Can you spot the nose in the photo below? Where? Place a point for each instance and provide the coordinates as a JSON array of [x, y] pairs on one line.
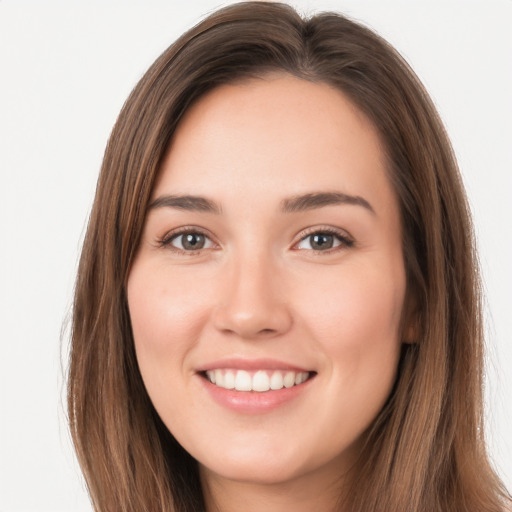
[[252, 303]]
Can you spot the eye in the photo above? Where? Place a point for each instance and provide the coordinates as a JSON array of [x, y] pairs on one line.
[[188, 241], [323, 241]]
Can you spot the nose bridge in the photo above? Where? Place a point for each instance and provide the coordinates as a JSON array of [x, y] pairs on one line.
[[253, 302]]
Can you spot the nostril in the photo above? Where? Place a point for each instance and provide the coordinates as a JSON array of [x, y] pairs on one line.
[[252, 319]]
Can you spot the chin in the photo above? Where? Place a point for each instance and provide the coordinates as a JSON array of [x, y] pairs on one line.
[[258, 472], [266, 465]]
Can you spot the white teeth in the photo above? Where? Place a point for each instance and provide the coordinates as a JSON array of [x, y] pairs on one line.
[[276, 381], [289, 379], [229, 380], [261, 381], [243, 381], [219, 378], [300, 377]]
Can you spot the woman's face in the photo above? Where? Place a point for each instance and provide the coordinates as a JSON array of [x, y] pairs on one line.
[[270, 261]]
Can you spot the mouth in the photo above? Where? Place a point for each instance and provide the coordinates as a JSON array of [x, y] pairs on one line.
[[256, 386], [260, 381]]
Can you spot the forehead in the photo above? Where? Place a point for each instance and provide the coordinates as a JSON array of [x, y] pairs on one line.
[[276, 135]]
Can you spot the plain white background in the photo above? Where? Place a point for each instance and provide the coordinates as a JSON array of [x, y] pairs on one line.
[[66, 69]]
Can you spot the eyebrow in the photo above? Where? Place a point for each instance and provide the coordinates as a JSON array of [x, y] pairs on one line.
[[293, 204], [190, 203], [320, 199]]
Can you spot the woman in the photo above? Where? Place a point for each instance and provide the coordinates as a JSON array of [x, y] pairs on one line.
[[277, 304]]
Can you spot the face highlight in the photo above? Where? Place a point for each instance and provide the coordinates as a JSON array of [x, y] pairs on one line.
[[267, 292]]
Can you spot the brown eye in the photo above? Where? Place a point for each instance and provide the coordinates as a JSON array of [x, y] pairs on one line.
[[323, 241], [191, 241]]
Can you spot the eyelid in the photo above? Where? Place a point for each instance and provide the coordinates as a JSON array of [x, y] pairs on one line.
[[346, 239], [165, 241]]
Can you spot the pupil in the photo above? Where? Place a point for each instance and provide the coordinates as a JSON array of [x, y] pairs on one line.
[[193, 241], [322, 241]]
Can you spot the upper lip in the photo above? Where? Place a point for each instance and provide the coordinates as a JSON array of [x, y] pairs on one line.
[[252, 364]]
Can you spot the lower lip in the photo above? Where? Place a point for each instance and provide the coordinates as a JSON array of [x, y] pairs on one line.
[[254, 402]]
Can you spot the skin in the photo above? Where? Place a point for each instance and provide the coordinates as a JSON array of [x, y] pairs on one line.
[[260, 289]]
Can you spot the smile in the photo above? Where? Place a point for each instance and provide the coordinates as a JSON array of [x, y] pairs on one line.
[[259, 381]]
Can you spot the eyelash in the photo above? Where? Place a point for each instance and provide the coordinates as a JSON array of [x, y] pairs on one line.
[[167, 240], [345, 241]]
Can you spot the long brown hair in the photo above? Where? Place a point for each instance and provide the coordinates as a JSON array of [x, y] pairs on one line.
[[425, 452]]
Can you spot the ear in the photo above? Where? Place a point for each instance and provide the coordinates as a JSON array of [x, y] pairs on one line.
[[411, 315]]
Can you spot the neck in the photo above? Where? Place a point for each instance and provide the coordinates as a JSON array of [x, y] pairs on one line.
[[302, 494]]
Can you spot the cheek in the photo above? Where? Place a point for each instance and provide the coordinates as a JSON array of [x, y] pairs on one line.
[[359, 299], [354, 316], [167, 315], [355, 321], [162, 308]]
